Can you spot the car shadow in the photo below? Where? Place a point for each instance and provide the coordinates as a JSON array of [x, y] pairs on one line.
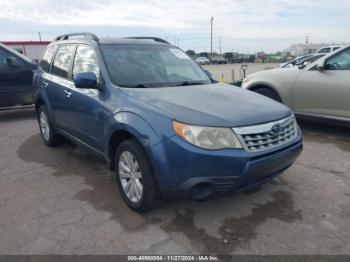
[[17, 114], [324, 129], [235, 218]]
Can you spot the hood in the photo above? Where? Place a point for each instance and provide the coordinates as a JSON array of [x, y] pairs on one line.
[[218, 105]]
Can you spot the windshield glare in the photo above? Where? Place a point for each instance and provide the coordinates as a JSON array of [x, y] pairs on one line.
[[151, 66]]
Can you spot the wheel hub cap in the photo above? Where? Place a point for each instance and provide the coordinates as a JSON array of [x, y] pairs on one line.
[[130, 176], [44, 126]]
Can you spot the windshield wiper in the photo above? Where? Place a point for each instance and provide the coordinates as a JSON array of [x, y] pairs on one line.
[[145, 85], [189, 83]]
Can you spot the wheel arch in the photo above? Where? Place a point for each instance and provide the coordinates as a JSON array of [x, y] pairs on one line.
[[127, 125], [268, 86]]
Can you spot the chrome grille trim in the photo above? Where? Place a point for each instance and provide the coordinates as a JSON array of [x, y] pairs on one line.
[[259, 138]]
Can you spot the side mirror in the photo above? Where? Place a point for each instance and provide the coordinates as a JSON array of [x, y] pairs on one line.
[[12, 62], [86, 80]]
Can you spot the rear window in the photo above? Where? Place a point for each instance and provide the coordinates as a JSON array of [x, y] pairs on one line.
[[62, 61], [47, 58]]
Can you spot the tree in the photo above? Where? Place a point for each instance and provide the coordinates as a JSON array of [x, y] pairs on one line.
[[190, 53]]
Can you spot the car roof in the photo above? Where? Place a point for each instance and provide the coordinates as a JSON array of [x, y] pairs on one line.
[[16, 53], [111, 41]]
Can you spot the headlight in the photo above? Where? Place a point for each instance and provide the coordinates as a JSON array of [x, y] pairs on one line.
[[207, 137]]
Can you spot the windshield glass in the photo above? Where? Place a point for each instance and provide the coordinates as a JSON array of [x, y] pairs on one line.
[[151, 66]]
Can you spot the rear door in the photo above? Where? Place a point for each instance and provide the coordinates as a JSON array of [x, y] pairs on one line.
[[56, 83], [15, 81], [327, 92]]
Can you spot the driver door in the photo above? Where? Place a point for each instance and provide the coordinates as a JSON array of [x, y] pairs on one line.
[[325, 93]]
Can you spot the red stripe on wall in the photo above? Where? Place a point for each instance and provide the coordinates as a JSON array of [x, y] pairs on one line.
[[9, 43]]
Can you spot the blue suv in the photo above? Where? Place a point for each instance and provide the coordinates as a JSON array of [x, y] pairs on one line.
[[159, 120]]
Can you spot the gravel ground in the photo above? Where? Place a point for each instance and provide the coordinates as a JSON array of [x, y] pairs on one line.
[[226, 70], [65, 201]]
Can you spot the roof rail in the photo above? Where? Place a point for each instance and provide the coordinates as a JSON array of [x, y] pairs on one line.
[[157, 39], [84, 34]]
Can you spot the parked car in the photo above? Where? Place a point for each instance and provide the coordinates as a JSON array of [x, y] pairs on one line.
[[309, 60], [327, 49], [142, 105], [318, 91], [219, 60], [16, 73], [295, 61], [203, 60]]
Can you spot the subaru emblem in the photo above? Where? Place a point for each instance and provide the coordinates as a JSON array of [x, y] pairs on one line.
[[276, 129]]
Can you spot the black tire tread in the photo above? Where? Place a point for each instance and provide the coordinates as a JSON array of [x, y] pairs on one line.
[[152, 195], [55, 138]]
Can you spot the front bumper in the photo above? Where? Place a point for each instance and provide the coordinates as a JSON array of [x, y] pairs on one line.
[[188, 171]]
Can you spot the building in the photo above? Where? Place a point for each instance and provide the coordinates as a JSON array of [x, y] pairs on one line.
[[31, 49]]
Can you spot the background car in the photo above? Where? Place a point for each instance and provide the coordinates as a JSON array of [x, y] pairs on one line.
[[309, 60], [295, 61], [219, 60], [321, 90], [327, 49], [202, 60], [16, 73]]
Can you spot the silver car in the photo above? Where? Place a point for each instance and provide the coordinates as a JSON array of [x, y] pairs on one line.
[[320, 90], [202, 61]]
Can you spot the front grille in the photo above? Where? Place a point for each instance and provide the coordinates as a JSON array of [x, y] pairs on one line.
[[263, 137]]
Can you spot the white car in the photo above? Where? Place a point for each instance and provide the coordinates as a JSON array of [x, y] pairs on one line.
[[202, 60], [320, 90], [328, 49]]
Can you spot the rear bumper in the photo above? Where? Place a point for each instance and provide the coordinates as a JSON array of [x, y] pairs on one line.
[[187, 171]]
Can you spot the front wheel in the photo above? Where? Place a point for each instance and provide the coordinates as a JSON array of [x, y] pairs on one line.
[[135, 177]]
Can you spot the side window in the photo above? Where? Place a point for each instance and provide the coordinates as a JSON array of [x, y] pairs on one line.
[[62, 61], [3, 58], [85, 61], [339, 62], [47, 58], [325, 50]]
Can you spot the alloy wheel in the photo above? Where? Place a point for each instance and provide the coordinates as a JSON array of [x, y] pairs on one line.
[[44, 126], [130, 176]]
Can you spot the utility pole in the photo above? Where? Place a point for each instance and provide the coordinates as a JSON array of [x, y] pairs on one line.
[[211, 37], [220, 44], [39, 36]]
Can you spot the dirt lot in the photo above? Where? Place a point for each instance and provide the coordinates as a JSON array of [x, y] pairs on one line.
[[65, 201]]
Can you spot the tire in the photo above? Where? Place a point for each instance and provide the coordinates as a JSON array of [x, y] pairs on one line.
[[48, 133], [131, 151], [269, 93]]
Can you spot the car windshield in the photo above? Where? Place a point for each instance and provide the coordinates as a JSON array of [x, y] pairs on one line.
[[142, 66]]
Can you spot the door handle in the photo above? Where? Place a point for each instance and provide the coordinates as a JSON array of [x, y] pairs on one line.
[[45, 84], [68, 94]]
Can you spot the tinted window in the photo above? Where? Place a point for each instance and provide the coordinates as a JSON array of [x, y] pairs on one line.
[[62, 61], [3, 57], [339, 62], [47, 58], [85, 61]]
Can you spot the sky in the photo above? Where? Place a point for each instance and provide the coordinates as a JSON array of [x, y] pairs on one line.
[[245, 26]]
